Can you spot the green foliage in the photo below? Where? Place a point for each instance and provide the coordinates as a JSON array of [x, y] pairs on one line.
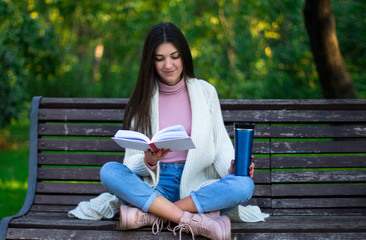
[[247, 49], [29, 58]]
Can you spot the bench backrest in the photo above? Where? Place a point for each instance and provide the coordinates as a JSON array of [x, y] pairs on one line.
[[310, 155]]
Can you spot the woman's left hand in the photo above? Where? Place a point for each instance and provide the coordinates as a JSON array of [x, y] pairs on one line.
[[251, 168]]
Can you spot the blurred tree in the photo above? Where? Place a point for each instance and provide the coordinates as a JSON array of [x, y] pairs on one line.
[[246, 49], [28, 55], [320, 24]]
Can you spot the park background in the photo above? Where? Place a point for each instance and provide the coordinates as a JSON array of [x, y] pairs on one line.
[[247, 49]]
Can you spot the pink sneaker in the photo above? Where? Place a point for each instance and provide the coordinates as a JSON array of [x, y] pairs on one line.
[[132, 218], [214, 227], [223, 219]]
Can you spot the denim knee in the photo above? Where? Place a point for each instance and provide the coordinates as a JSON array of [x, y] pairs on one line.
[[244, 189], [106, 172]]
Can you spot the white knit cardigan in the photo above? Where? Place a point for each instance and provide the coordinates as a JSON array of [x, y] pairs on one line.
[[206, 164], [214, 151]]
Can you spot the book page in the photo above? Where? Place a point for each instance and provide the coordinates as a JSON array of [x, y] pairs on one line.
[[172, 132], [131, 136]]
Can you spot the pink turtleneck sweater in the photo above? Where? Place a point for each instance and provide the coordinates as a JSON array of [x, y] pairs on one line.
[[175, 108]]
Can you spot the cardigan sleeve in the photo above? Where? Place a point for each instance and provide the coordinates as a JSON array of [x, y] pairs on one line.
[[223, 144]]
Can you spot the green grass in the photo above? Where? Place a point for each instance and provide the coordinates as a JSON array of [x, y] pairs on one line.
[[14, 169]]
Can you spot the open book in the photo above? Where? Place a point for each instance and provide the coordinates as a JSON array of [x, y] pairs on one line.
[[174, 138]]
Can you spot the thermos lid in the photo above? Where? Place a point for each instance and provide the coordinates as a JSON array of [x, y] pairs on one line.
[[244, 125]]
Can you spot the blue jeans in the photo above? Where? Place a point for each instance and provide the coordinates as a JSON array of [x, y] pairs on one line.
[[223, 195]]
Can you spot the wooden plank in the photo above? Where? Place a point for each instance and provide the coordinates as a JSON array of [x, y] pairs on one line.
[[92, 145], [43, 199], [262, 190], [293, 104], [84, 103], [336, 176], [96, 188], [97, 145], [70, 188], [58, 129], [274, 104], [57, 234], [92, 174], [304, 224], [319, 147], [270, 116], [356, 131], [327, 202], [319, 212], [60, 220], [339, 131], [53, 234], [298, 116], [78, 159], [342, 161], [272, 224], [318, 190], [69, 174], [52, 208], [261, 162], [82, 115]]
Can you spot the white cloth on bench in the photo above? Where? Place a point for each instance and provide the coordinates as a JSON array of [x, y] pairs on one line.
[[106, 206]]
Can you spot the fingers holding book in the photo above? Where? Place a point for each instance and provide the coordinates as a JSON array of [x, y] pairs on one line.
[[152, 158]]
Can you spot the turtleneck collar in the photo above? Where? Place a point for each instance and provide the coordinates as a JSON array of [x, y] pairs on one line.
[[171, 90]]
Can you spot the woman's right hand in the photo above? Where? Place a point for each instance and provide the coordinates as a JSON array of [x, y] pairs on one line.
[[152, 158]]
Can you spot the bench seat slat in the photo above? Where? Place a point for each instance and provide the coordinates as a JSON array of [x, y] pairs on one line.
[[60, 220], [292, 104], [311, 131], [330, 176], [105, 130], [344, 161], [100, 145], [327, 202], [92, 174], [58, 129], [94, 188], [293, 190], [86, 234], [286, 116], [319, 211], [78, 159], [69, 174], [70, 188], [51, 208], [94, 103], [81, 115], [272, 224], [298, 116], [44, 199], [319, 147]]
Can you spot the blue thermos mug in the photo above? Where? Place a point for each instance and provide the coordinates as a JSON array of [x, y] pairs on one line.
[[243, 139]]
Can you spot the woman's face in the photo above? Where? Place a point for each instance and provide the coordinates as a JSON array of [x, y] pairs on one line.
[[168, 63]]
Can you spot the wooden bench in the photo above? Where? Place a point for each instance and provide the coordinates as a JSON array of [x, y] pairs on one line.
[[310, 158]]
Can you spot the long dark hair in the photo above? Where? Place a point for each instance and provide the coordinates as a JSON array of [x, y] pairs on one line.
[[139, 105]]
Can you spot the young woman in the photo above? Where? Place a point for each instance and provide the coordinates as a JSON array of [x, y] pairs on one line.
[[189, 188]]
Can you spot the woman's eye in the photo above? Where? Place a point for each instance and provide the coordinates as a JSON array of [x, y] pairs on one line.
[[159, 59], [176, 56]]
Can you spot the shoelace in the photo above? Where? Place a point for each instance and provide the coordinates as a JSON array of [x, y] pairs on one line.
[[182, 227], [158, 225]]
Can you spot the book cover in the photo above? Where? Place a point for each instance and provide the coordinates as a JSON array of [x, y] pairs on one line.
[[174, 138]]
